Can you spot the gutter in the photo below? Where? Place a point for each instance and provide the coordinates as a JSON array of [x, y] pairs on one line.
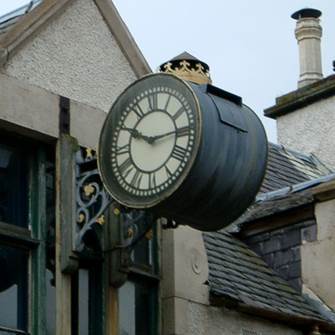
[[328, 180]]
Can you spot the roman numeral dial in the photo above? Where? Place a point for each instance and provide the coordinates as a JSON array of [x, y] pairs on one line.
[[154, 139], [179, 152]]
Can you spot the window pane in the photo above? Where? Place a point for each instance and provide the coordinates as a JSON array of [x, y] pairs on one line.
[[83, 308], [50, 303], [87, 313], [127, 309], [144, 254], [144, 310], [137, 305], [13, 287], [13, 186], [50, 252]]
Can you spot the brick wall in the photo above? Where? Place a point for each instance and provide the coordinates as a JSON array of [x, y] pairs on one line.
[[280, 248]]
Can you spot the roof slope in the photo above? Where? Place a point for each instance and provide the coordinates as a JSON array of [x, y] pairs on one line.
[[240, 277], [286, 198], [237, 273], [20, 25], [287, 167], [8, 20]]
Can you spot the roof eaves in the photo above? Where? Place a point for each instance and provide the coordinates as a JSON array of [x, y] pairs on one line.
[[31, 22], [123, 37], [302, 97], [28, 25], [283, 200], [321, 307], [240, 279], [283, 192], [275, 207], [283, 317]]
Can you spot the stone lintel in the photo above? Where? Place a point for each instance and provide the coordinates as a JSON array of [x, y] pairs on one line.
[[33, 111]]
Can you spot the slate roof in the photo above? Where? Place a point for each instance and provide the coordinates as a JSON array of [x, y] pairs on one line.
[[8, 20], [287, 167], [237, 273], [286, 198], [287, 174]]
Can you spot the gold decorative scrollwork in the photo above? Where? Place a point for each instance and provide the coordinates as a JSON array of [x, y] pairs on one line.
[[91, 197]]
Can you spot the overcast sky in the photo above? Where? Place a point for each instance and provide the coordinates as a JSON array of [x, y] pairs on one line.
[[249, 45]]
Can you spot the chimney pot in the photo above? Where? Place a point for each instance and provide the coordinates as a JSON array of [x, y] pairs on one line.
[[308, 33]]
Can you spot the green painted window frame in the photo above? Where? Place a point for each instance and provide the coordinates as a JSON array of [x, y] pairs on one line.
[[149, 276], [32, 238]]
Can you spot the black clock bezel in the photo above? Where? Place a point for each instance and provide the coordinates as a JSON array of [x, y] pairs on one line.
[[108, 177]]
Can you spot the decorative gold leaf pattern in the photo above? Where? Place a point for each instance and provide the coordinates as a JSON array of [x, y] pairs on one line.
[[89, 189], [101, 220]]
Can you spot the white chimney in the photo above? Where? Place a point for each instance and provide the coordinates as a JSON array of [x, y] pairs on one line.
[[308, 33]]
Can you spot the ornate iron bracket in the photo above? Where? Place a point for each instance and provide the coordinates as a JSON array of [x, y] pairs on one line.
[[93, 201]]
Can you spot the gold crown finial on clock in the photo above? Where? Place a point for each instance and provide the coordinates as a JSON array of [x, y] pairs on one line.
[[187, 67]]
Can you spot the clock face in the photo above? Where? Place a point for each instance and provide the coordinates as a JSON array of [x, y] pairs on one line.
[[149, 140]]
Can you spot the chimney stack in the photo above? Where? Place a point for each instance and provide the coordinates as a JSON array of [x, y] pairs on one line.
[[308, 33]]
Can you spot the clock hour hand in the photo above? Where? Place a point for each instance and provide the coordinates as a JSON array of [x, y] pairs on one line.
[[136, 134]]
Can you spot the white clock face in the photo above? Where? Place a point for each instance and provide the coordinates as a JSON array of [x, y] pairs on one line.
[[153, 139]]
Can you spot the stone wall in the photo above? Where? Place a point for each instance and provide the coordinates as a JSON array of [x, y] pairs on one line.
[[186, 309], [281, 249], [318, 265], [205, 320], [33, 111]]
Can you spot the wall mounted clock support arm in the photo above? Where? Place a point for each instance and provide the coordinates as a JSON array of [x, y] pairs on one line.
[[126, 228]]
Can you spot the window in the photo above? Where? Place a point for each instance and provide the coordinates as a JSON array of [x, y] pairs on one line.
[[23, 223], [87, 312], [138, 297], [13, 289], [13, 185]]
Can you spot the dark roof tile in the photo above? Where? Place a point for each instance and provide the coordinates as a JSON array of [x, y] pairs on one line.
[[237, 273]]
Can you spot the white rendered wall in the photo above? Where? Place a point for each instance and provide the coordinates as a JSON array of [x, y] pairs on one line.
[[75, 56], [311, 130]]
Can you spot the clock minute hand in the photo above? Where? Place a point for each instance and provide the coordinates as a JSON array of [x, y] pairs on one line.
[[178, 131], [157, 137]]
